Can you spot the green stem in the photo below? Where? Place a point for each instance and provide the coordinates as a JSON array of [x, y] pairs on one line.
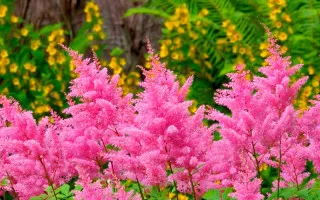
[[140, 190], [192, 186], [48, 178], [279, 170], [174, 182], [12, 186]]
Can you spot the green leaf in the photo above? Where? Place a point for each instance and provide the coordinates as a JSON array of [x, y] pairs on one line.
[[116, 52], [65, 189], [49, 28], [212, 195], [149, 11]]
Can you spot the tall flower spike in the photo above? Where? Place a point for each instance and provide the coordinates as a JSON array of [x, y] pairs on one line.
[[263, 126], [165, 136], [32, 155], [101, 112]]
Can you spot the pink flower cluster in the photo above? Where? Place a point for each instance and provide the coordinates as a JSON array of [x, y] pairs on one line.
[[155, 141]]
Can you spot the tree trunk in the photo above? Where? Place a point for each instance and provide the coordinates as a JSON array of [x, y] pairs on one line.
[[128, 34]]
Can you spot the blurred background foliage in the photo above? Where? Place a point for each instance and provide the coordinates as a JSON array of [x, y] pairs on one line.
[[207, 38], [204, 38], [36, 71]]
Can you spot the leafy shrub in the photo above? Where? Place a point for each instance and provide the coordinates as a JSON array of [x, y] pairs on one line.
[[208, 37]]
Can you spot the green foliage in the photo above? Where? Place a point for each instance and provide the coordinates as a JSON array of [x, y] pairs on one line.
[[217, 195], [216, 35], [34, 69], [61, 193], [301, 192]]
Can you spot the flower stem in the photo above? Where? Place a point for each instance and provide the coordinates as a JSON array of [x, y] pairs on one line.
[[192, 186], [140, 190], [279, 170], [48, 178], [12, 186], [174, 182]]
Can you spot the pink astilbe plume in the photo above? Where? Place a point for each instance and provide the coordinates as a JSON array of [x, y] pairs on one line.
[[31, 155], [263, 127], [165, 136], [97, 117]]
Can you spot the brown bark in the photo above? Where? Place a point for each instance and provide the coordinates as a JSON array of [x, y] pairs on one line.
[[127, 33]]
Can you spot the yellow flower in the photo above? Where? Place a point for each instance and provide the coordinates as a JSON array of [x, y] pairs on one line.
[[175, 56], [13, 68], [235, 37], [33, 68], [51, 49], [61, 58], [177, 40], [264, 53], [242, 50], [286, 17], [55, 95], [90, 37], [41, 109], [14, 19], [193, 35], [311, 70], [163, 51], [283, 36], [307, 91], [32, 84], [4, 54], [263, 45], [122, 62], [16, 82], [263, 167], [3, 10], [284, 49], [171, 195], [88, 18], [102, 36], [24, 32], [204, 12], [117, 70], [167, 42], [180, 30], [95, 47], [27, 66], [192, 51], [315, 83], [225, 23], [169, 25], [113, 63], [97, 28], [3, 70], [51, 60], [35, 44], [278, 24], [182, 197]]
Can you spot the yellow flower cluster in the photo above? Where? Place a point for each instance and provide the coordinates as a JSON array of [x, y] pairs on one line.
[[180, 196], [3, 11], [54, 56], [180, 17], [94, 18], [128, 82], [4, 61], [311, 89], [280, 19], [232, 34], [180, 27]]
